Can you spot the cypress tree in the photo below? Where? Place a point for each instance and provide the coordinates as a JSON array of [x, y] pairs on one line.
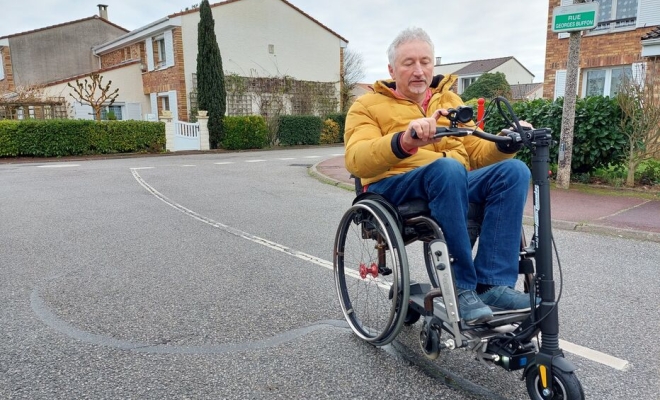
[[211, 93]]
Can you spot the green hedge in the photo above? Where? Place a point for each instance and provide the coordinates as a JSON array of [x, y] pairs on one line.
[[248, 132], [597, 140], [299, 129], [58, 138]]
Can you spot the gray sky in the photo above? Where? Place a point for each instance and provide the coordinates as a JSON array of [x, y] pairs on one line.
[[462, 30]]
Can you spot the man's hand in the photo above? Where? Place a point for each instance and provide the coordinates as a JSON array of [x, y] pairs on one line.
[[424, 128], [510, 148]]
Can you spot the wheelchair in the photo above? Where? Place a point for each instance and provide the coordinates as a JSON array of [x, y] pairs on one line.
[[378, 298]]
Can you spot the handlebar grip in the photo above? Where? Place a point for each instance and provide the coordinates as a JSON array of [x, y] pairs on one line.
[[440, 129]]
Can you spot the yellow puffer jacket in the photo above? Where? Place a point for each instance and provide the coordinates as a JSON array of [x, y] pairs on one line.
[[374, 120]]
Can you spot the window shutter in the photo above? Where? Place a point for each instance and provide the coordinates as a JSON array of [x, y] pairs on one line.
[[560, 83], [173, 107], [153, 99], [169, 48], [133, 111], [150, 54], [648, 13], [83, 111]]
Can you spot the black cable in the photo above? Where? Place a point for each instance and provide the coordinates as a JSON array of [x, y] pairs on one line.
[[535, 324]]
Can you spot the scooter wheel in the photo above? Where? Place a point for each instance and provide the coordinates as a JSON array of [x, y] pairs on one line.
[[565, 386], [430, 347]]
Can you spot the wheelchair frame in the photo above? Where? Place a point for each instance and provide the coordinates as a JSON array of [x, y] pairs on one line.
[[507, 339]]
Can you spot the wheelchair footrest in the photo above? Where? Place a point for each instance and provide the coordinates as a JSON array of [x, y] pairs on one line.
[[500, 319]]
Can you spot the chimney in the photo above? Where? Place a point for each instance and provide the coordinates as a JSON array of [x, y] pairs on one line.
[[103, 11]]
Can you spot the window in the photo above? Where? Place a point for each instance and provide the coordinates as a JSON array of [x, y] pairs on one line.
[[116, 110], [2, 67], [614, 14], [161, 59], [605, 82], [165, 103], [465, 82]]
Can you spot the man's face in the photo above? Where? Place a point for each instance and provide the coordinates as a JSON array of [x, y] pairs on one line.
[[413, 68]]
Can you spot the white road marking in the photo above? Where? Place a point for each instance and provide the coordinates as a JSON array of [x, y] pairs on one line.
[[594, 355], [223, 163], [188, 165], [337, 154], [143, 168], [253, 161], [58, 165], [312, 157], [286, 158], [581, 351]]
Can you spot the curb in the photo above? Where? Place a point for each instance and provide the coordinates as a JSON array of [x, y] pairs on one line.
[[314, 172], [527, 220], [599, 229]]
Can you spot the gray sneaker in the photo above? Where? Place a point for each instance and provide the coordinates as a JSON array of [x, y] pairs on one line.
[[504, 298], [471, 308]]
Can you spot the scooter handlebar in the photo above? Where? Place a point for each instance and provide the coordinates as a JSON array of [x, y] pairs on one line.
[[509, 135]]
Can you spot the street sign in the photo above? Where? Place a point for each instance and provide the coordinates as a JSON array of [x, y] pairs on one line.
[[576, 17]]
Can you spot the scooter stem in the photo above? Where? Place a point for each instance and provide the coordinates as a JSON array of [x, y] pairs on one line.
[[547, 312]]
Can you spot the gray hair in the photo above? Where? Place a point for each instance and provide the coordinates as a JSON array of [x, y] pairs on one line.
[[406, 36]]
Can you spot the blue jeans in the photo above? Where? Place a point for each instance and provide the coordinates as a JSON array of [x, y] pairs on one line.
[[449, 187]]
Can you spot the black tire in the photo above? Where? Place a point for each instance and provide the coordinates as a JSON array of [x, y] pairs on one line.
[[370, 303], [412, 316], [565, 385]]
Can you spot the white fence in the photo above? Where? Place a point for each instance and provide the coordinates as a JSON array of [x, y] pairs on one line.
[[186, 136]]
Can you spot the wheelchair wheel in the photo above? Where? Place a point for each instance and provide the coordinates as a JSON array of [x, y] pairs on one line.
[[371, 272]]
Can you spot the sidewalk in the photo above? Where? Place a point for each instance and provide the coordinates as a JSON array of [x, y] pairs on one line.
[[630, 217]]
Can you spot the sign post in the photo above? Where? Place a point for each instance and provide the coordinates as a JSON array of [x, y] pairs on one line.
[[574, 19]]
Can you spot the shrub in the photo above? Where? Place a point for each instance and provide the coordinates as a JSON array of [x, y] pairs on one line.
[[648, 172], [299, 129], [248, 132], [57, 138], [330, 132], [340, 119], [597, 140]]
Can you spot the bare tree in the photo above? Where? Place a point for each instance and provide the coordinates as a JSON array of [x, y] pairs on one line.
[[639, 99], [94, 93], [352, 72]]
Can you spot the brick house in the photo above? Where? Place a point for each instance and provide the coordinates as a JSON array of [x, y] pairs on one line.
[[614, 48], [154, 66], [257, 39], [469, 71], [38, 57]]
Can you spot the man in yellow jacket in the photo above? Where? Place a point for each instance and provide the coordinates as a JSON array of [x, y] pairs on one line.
[[449, 173]]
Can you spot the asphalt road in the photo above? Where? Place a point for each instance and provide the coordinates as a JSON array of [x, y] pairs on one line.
[[209, 276]]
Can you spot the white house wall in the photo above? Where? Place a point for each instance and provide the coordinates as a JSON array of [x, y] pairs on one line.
[[128, 79], [244, 29], [515, 73]]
